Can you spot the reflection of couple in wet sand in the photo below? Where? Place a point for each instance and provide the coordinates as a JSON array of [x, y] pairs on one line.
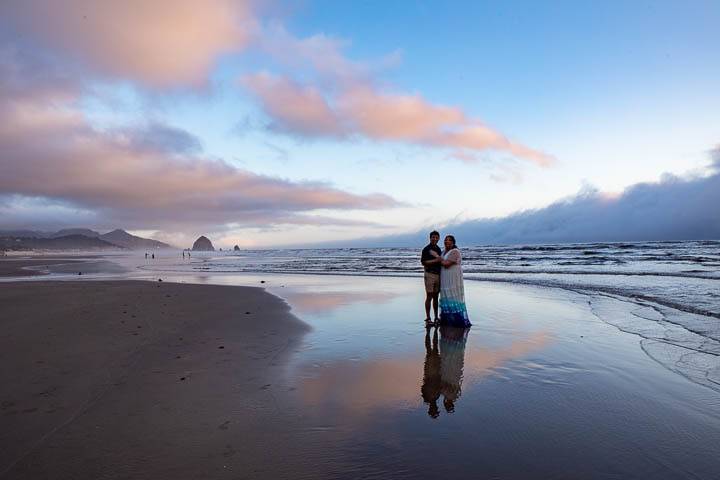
[[443, 370], [444, 365], [444, 279]]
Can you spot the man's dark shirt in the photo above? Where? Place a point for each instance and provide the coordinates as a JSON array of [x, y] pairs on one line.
[[436, 267]]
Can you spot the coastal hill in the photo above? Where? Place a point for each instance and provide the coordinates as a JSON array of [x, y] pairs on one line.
[[75, 239], [66, 242], [124, 239]]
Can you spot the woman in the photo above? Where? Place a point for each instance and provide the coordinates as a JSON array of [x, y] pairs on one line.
[[452, 291]]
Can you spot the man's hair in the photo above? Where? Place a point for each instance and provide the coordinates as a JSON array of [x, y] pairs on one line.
[[434, 232]]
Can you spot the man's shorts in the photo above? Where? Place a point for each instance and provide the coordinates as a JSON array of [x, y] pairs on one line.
[[432, 282]]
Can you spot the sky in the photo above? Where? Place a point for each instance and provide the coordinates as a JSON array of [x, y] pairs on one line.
[[284, 123]]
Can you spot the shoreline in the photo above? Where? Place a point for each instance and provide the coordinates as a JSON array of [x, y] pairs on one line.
[[699, 320], [588, 290]]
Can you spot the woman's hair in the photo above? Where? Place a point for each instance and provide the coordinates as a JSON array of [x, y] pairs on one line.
[[452, 239]]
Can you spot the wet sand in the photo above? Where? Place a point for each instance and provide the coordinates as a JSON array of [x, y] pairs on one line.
[[36, 265], [130, 379]]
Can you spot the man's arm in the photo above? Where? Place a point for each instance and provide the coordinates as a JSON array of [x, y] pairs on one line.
[[432, 261]]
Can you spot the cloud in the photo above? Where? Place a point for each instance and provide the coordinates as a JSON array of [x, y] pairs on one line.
[[163, 43], [320, 53], [176, 43], [361, 109], [19, 212], [141, 177], [156, 137], [294, 108], [715, 158], [340, 98], [675, 208]]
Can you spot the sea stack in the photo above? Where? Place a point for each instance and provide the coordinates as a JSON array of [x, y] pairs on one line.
[[236, 248], [203, 244]]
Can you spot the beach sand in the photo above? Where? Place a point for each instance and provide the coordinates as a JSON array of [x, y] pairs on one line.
[[31, 266], [134, 379], [126, 379]]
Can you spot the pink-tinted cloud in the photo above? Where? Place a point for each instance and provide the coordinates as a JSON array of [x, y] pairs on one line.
[[175, 43], [362, 109], [320, 54], [293, 107], [161, 43], [395, 116], [142, 177]]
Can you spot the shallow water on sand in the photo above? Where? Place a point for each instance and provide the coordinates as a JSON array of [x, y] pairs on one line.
[[539, 387]]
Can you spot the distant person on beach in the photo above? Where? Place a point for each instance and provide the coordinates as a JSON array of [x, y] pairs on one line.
[[145, 255], [431, 260], [453, 311], [153, 255]]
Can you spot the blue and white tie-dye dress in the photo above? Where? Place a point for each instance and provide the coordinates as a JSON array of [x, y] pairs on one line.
[[453, 311]]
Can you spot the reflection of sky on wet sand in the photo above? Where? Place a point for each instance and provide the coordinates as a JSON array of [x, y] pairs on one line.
[[323, 302], [517, 394], [362, 387], [369, 350]]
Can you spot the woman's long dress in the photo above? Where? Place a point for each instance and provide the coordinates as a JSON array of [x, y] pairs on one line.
[[452, 292]]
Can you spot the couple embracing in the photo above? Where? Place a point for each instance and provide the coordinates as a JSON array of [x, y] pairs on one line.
[[444, 278]]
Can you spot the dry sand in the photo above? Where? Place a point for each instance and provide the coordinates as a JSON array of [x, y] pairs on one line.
[[129, 379]]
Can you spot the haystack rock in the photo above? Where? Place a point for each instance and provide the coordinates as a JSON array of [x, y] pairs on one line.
[[203, 244], [236, 248]]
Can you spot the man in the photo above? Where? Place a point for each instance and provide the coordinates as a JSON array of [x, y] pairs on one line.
[[431, 258]]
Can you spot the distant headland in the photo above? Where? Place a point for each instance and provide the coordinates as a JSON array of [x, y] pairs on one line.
[[75, 239]]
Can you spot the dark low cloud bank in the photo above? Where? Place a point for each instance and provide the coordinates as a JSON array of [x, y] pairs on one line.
[[675, 208]]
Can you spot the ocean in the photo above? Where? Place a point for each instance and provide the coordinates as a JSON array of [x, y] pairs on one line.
[[683, 275]]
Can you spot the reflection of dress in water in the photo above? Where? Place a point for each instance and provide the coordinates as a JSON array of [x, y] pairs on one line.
[[431, 385], [452, 292], [452, 353]]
